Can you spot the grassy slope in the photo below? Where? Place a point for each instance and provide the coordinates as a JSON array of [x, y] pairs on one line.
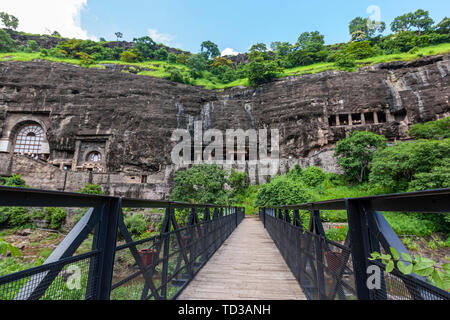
[[213, 83]]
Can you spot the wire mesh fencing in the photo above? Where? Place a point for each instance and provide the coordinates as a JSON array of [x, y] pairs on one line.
[[331, 270], [117, 266]]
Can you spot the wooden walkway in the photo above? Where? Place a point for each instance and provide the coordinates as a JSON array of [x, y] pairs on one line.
[[248, 266]]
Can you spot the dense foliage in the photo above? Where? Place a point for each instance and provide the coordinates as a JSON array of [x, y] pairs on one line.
[[431, 130], [394, 169], [283, 190], [355, 153], [90, 188], [201, 184]]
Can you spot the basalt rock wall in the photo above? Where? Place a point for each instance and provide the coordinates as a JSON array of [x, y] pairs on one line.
[[138, 114]]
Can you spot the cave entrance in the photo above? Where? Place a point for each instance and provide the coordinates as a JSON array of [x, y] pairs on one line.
[[381, 117], [368, 117], [343, 119], [332, 121], [356, 119], [400, 115]]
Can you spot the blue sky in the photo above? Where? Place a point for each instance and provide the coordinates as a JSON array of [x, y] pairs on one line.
[[235, 24]]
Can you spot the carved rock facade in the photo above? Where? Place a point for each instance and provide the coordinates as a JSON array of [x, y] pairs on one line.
[[114, 128]]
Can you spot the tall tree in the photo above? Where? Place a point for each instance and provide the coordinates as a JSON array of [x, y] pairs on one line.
[[146, 46], [281, 49], [420, 20], [9, 21], [209, 49], [355, 153], [119, 35], [310, 41]]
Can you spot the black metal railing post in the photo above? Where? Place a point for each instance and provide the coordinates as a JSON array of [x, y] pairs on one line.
[[106, 239], [359, 237]]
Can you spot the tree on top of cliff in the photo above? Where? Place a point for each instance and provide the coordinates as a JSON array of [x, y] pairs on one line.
[[209, 49], [310, 41], [9, 21], [420, 20], [6, 43], [261, 69], [146, 46], [119, 35], [355, 153]]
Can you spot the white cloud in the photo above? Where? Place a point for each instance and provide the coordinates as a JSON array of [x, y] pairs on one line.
[[163, 38], [229, 52], [46, 16]]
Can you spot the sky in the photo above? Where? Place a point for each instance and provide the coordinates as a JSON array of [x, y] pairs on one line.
[[234, 25]]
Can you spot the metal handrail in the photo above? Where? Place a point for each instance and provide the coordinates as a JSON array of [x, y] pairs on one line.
[[368, 232]]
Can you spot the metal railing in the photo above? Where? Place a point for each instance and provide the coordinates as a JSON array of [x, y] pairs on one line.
[[117, 266], [329, 270]]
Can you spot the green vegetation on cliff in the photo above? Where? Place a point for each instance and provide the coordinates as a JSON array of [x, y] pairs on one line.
[[415, 35]]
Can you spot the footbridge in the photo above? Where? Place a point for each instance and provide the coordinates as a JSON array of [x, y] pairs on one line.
[[217, 252]]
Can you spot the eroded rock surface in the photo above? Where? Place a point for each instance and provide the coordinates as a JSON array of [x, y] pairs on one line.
[[130, 118]]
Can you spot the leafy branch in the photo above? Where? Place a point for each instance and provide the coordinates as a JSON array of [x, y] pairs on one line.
[[419, 265], [5, 247]]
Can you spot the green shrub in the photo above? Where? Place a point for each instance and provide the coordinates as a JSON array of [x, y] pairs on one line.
[[182, 58], [37, 214], [438, 178], [136, 224], [4, 215], [128, 56], [56, 217], [161, 54], [43, 52], [56, 53], [313, 176], [18, 217], [432, 244], [32, 45], [346, 62], [85, 58], [394, 167], [14, 181], [92, 189], [238, 181], [260, 71], [439, 129], [283, 191], [204, 183], [405, 223], [6, 43], [400, 42], [172, 58], [355, 153], [414, 50], [359, 50]]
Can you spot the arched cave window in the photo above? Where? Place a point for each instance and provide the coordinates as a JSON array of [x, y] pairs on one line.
[[29, 139], [94, 156]]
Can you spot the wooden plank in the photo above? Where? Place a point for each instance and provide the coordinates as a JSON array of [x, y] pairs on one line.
[[247, 266]]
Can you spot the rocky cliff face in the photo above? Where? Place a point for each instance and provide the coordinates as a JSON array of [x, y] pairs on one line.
[[137, 114]]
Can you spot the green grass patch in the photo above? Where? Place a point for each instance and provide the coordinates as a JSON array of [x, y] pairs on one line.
[[442, 48]]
